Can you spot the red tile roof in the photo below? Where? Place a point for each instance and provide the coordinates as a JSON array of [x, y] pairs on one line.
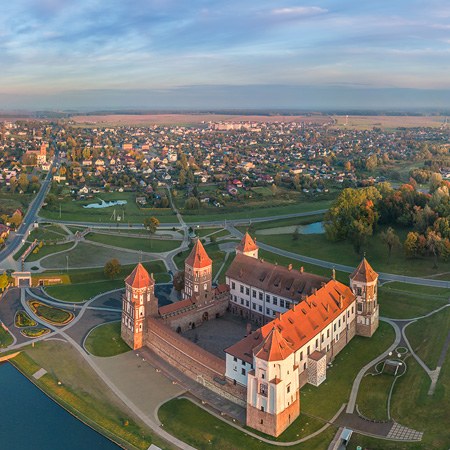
[[302, 323], [139, 278], [198, 258], [247, 244], [176, 306], [273, 347], [364, 272]]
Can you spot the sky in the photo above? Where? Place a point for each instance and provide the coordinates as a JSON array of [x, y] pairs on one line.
[[197, 54]]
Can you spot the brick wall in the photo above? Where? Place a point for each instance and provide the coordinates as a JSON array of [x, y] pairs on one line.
[[193, 361]]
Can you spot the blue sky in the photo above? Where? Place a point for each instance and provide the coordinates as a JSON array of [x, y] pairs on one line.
[[211, 54]]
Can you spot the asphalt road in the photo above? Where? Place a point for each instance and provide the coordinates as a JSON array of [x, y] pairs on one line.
[[31, 215]]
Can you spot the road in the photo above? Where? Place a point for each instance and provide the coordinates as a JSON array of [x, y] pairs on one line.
[[14, 243]]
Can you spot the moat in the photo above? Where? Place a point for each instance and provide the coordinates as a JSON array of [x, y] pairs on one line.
[[30, 419]]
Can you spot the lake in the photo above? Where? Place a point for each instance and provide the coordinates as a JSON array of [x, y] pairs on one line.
[[311, 228], [31, 420]]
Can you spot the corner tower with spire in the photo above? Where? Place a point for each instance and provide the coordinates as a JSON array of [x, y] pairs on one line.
[[247, 247], [198, 275], [138, 303], [363, 283]]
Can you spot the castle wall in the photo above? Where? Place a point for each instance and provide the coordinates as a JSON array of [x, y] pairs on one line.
[[195, 362]]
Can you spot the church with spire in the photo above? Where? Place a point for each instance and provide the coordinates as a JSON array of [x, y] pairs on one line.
[[303, 321]]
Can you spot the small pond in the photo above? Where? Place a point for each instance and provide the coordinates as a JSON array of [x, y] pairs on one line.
[[104, 204]]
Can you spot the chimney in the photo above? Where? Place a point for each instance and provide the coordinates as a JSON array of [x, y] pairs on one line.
[[314, 291], [277, 315], [340, 301], [290, 267], [301, 269], [333, 274]]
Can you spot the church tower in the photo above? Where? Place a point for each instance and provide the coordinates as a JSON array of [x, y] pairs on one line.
[[198, 275], [247, 247], [363, 283], [139, 302]]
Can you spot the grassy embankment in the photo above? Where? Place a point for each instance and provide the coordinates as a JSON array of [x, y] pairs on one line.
[[411, 405], [79, 390]]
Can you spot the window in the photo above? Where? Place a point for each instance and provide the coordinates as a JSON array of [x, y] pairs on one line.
[[353, 309], [260, 296], [334, 327], [242, 289], [317, 343], [243, 362], [288, 304], [288, 389], [242, 301], [242, 371], [267, 312], [263, 389], [308, 351], [247, 303], [235, 298], [275, 301], [301, 356], [281, 303], [254, 306], [247, 291], [260, 308], [358, 291], [348, 314], [339, 323], [262, 410], [360, 307], [267, 298], [321, 338], [304, 366], [235, 359], [254, 294], [328, 333], [233, 285]]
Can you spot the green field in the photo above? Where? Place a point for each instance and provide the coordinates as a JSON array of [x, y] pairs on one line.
[[105, 340], [50, 314], [427, 336], [22, 319], [139, 244], [317, 246], [5, 338], [35, 332], [247, 212], [47, 250], [397, 303], [373, 396], [200, 429], [130, 213], [76, 293]]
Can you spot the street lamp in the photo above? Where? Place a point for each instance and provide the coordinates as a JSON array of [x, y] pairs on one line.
[[67, 263]]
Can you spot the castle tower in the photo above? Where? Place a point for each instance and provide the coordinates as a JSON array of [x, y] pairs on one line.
[[198, 275], [139, 302], [273, 395], [363, 283], [248, 247]]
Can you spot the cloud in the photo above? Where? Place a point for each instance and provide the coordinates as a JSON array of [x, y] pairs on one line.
[[299, 11]]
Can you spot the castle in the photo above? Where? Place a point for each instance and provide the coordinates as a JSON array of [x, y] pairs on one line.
[[304, 321]]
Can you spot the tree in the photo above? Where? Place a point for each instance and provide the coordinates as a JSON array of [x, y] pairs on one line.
[[23, 182], [435, 181], [112, 268], [390, 238], [410, 244], [151, 224], [434, 245], [178, 281], [3, 281], [192, 203]]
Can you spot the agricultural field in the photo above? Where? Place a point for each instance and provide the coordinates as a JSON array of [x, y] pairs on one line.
[[387, 122]]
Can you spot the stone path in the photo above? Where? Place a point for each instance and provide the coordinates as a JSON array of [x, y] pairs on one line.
[[402, 433]]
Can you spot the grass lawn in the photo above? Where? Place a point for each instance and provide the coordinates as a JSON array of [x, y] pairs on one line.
[[413, 407], [403, 304], [373, 395], [5, 338], [83, 393], [427, 336], [105, 340], [74, 211], [317, 246], [325, 400], [421, 291], [247, 212], [75, 293], [197, 427], [216, 232], [22, 319], [51, 314], [35, 332], [48, 249], [145, 244], [47, 233]]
